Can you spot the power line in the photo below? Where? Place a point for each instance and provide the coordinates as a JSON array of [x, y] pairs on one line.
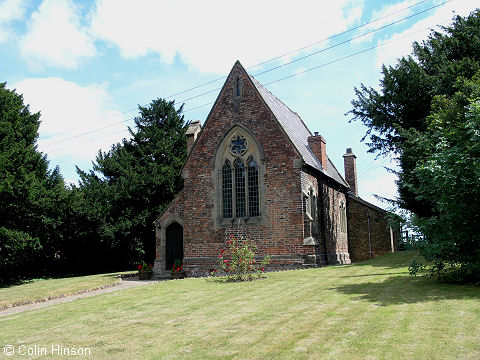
[[276, 58], [319, 51], [88, 132], [308, 46], [327, 63], [272, 82], [89, 140], [351, 39]]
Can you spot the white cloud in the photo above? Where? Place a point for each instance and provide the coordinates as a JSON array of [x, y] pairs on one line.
[[56, 37], [10, 11], [401, 43], [69, 110], [211, 35], [383, 186], [399, 11]]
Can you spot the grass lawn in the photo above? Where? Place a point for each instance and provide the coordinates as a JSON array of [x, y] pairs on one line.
[[371, 310], [45, 288]]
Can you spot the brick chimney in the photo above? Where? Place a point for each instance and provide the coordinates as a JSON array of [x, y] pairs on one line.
[[350, 163], [317, 144], [192, 133]]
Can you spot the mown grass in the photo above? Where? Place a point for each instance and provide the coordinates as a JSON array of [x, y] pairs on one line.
[[46, 288], [371, 310]]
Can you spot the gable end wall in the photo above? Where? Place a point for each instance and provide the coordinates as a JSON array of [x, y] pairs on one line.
[[280, 231]]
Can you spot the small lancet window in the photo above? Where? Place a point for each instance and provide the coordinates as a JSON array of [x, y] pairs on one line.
[[237, 87], [343, 218]]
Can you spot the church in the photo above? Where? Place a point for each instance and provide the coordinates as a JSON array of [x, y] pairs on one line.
[[254, 169]]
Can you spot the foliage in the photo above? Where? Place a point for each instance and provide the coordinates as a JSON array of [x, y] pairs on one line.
[[106, 222], [144, 267], [237, 262], [130, 185], [449, 173], [415, 267], [426, 112], [407, 89], [32, 197], [177, 266]]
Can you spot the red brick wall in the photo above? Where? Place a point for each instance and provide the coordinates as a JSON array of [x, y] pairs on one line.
[[281, 234], [336, 240], [358, 214]]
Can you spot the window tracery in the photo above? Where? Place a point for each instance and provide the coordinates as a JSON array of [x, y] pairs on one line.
[[239, 178]]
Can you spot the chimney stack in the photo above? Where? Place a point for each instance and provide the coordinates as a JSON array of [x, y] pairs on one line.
[[318, 146], [350, 163], [192, 133]]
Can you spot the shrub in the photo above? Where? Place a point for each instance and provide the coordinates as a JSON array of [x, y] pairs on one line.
[[237, 261]]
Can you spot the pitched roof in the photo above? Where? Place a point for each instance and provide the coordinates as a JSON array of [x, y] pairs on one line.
[[297, 131]]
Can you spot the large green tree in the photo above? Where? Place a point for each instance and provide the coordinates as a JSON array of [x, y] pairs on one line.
[[448, 174], [130, 185], [404, 99], [426, 114], [31, 195]]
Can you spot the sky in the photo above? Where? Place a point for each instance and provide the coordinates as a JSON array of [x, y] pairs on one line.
[[87, 65]]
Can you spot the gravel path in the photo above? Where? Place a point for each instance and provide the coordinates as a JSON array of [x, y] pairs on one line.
[[125, 284]]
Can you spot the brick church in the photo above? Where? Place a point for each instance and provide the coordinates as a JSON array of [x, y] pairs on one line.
[[254, 168]]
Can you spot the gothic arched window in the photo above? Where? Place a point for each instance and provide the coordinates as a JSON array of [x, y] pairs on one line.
[[238, 193]]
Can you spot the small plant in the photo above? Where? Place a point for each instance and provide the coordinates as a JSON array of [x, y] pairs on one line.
[[144, 267], [415, 268], [237, 261], [177, 266]]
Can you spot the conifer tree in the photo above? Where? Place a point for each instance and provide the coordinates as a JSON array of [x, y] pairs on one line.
[[30, 194], [130, 185]]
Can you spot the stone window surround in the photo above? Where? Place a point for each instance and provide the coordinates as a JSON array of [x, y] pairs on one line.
[[310, 198], [223, 152]]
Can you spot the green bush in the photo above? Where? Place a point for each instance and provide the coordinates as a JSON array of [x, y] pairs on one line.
[[18, 254], [237, 261]]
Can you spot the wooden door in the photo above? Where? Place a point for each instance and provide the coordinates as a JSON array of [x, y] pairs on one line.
[[174, 244]]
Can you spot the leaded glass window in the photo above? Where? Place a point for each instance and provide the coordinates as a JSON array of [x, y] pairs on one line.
[[239, 193], [252, 187], [240, 201], [227, 190]]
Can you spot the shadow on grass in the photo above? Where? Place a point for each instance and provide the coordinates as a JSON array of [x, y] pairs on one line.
[[372, 274], [15, 282], [225, 280], [400, 259], [407, 290]]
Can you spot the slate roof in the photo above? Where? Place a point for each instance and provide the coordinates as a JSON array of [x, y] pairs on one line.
[[297, 131]]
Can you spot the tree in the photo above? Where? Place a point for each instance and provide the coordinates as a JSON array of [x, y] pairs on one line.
[[30, 194], [130, 185], [406, 93], [426, 113], [449, 173]]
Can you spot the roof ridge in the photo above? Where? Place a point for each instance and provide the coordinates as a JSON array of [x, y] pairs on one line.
[[293, 112], [296, 130]]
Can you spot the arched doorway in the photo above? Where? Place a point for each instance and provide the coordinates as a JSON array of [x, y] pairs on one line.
[[174, 244]]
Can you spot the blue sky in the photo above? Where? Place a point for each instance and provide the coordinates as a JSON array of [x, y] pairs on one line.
[[86, 65]]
